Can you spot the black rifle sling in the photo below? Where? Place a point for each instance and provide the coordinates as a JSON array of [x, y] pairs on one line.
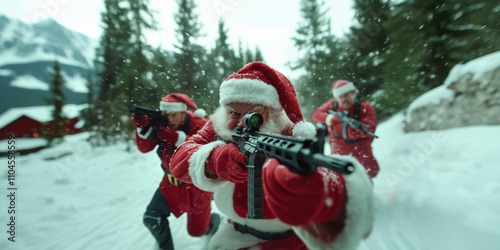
[[357, 108], [356, 116]]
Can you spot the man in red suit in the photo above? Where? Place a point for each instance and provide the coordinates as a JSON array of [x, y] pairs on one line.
[[174, 196], [319, 210], [357, 143]]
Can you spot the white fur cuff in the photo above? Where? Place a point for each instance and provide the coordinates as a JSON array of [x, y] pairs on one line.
[[197, 167], [181, 139], [328, 120], [146, 135]]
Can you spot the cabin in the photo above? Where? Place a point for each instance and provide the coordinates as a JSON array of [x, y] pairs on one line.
[[26, 123]]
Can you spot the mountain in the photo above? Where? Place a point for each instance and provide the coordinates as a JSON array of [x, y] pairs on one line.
[[28, 53]]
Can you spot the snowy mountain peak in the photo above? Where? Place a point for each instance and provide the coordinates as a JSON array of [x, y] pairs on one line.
[[44, 41]]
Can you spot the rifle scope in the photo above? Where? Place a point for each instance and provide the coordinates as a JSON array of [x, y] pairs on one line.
[[253, 121]]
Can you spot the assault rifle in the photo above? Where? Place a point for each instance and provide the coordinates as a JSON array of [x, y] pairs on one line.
[[350, 122], [154, 116], [299, 155]]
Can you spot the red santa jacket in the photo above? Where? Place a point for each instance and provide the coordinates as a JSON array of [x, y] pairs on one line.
[[291, 202], [145, 145], [357, 143], [179, 198]]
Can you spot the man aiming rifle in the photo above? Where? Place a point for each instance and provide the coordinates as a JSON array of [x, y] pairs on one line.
[[165, 129], [351, 123], [316, 209]]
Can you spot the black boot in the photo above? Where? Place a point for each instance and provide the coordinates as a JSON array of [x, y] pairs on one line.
[[156, 220], [159, 227], [214, 224]]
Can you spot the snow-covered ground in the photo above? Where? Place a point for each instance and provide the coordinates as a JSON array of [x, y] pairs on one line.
[[436, 190]]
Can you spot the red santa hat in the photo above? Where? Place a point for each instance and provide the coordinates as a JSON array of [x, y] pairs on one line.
[[341, 87], [178, 102], [257, 83]]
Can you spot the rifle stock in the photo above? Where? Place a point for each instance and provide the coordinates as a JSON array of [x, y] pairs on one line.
[[299, 155]]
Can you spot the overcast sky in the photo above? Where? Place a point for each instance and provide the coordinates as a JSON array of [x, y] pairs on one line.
[[269, 24]]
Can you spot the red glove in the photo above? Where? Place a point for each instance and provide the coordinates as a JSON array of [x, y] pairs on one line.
[[141, 122], [355, 133], [294, 199], [228, 163], [166, 134], [335, 121]]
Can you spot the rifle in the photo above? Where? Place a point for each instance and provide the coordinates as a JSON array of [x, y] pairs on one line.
[[299, 155], [154, 116], [350, 122]]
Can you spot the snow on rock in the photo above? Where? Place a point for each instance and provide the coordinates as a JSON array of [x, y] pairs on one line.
[[469, 96]]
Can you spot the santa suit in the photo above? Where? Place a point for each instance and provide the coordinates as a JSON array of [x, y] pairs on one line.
[[184, 197], [357, 143], [319, 210], [280, 215]]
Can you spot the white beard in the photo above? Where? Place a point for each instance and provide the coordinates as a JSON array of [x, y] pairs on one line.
[[277, 123]]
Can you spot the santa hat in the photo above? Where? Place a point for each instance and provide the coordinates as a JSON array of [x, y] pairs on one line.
[[178, 102], [341, 87], [257, 83]]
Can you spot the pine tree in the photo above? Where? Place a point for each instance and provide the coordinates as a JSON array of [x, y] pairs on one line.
[[54, 131], [138, 86], [368, 41], [225, 59], [187, 32], [258, 57], [87, 114], [313, 40], [123, 66], [163, 81], [110, 64], [427, 39], [192, 60]]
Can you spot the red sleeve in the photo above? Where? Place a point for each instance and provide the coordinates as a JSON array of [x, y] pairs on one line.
[[144, 145], [320, 114], [179, 163], [300, 200], [367, 115]]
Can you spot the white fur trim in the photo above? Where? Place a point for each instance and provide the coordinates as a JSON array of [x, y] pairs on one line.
[[226, 237], [181, 139], [146, 135], [328, 120], [200, 113], [173, 106], [197, 167], [304, 130], [344, 89], [249, 91], [360, 211]]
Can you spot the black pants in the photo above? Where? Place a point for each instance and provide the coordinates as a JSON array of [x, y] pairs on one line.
[[156, 220]]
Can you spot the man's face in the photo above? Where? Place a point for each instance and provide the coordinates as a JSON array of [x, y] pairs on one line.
[[236, 110], [174, 118], [347, 99]]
